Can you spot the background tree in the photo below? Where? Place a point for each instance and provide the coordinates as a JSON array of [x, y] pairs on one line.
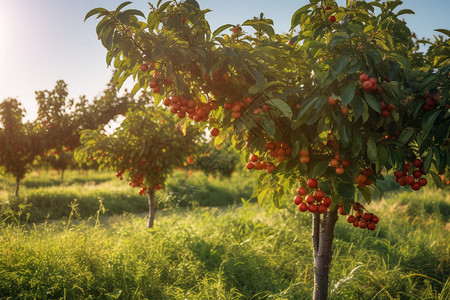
[[331, 106], [20, 142], [63, 119], [145, 148]]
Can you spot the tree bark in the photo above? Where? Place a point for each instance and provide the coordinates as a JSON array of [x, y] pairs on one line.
[[151, 207], [62, 176], [323, 235], [16, 189]]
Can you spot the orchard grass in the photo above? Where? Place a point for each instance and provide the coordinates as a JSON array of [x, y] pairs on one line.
[[237, 252], [44, 198]]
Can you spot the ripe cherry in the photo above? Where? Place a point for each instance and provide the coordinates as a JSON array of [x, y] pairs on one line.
[[351, 218], [417, 163], [362, 224], [312, 183], [363, 77], [321, 208], [341, 211], [319, 194], [310, 199], [332, 101], [144, 67], [332, 19], [385, 113], [340, 170], [417, 174], [254, 157], [215, 131], [303, 207], [298, 200], [415, 186], [374, 219], [301, 191], [327, 201], [368, 85], [249, 166], [422, 182], [371, 226], [312, 208]]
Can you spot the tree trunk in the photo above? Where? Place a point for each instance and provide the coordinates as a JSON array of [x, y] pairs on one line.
[[322, 239], [16, 190], [62, 176], [151, 207]]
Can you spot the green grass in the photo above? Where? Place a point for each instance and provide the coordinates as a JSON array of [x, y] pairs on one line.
[[234, 252], [45, 198]]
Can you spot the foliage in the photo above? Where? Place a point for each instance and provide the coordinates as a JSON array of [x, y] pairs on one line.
[[147, 146], [275, 88], [20, 142]]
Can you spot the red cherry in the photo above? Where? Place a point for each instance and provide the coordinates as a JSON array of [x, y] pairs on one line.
[[417, 163], [417, 174], [215, 131], [385, 113], [328, 8], [298, 200], [410, 180], [368, 85], [332, 101], [390, 107], [312, 183], [144, 67], [301, 191], [303, 207], [310, 199], [422, 181], [415, 186], [363, 77], [375, 219], [249, 166], [371, 226], [318, 195], [332, 19], [327, 201], [321, 208], [351, 218], [312, 208]]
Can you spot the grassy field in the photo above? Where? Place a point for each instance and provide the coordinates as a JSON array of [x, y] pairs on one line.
[[240, 251]]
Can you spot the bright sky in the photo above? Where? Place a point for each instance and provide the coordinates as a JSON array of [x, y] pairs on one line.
[[47, 40]]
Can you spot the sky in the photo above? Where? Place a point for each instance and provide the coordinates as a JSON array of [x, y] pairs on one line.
[[42, 41]]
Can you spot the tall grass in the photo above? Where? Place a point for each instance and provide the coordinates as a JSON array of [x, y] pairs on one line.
[[44, 198], [236, 252]]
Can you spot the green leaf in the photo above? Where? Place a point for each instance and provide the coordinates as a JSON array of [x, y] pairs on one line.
[[437, 180], [365, 192], [320, 168], [427, 161], [444, 31], [347, 94], [442, 133], [269, 126], [99, 10], [221, 28], [428, 121], [405, 11], [372, 150], [340, 65], [297, 15], [282, 106], [406, 135], [262, 195], [122, 5], [343, 186], [372, 102]]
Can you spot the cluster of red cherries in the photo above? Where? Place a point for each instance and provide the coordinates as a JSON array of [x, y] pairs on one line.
[[361, 219], [412, 175], [182, 106], [314, 201]]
